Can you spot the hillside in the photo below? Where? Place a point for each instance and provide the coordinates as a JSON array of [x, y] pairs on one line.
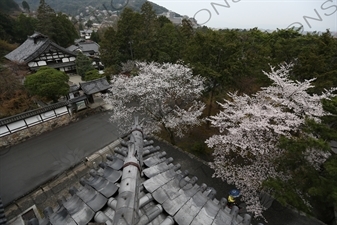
[[8, 6], [74, 7]]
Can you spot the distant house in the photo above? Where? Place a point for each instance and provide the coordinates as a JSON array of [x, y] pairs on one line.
[[82, 95], [38, 50], [86, 33], [178, 20], [88, 48], [94, 86]]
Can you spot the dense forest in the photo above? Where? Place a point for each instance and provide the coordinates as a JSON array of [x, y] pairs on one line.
[[231, 59], [57, 26]]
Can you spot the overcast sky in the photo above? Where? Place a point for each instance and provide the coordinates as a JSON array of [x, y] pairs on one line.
[[313, 15]]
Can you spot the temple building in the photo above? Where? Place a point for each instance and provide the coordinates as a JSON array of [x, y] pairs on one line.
[[38, 50]]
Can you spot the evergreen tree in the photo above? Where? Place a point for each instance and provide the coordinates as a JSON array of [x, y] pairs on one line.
[[95, 37], [92, 75], [109, 49], [48, 82], [127, 37], [25, 6], [63, 31], [167, 44], [83, 65], [6, 28], [147, 34], [45, 16], [312, 179], [56, 26], [24, 27]]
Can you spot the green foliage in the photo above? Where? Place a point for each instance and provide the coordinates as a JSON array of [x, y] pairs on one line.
[[56, 26], [7, 6], [331, 106], [307, 186], [140, 36], [5, 48], [25, 6], [109, 48], [24, 27], [6, 27], [89, 23], [45, 16], [83, 65], [63, 32], [95, 37], [92, 75], [199, 148], [47, 82]]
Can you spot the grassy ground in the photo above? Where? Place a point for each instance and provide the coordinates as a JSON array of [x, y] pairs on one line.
[[194, 141]]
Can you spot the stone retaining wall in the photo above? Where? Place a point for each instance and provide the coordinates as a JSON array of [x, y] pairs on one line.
[[38, 129]]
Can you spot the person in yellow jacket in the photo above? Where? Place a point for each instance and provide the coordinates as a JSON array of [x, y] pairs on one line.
[[233, 194], [230, 201]]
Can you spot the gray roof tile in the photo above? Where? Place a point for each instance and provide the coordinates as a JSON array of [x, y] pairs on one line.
[[31, 113], [95, 86], [35, 45], [117, 193]]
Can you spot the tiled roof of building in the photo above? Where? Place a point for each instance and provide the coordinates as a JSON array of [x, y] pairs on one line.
[[3, 220], [31, 113], [138, 185], [94, 86], [73, 88], [32, 48], [89, 47]]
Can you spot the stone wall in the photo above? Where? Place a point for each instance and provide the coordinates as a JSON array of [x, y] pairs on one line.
[[38, 129]]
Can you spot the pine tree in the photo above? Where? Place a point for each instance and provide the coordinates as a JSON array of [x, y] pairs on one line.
[[45, 16], [25, 6], [83, 65]]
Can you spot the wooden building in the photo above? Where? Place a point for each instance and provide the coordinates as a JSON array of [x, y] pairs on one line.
[[38, 50]]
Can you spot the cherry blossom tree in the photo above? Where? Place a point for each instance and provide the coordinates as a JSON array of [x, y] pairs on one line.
[[165, 95], [252, 126]]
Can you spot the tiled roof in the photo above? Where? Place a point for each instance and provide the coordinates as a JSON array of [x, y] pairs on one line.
[[32, 45], [77, 99], [31, 113], [138, 185], [73, 88], [32, 48], [95, 86], [3, 220], [85, 47]]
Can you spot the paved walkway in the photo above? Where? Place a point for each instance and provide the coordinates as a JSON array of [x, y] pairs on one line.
[[27, 165]]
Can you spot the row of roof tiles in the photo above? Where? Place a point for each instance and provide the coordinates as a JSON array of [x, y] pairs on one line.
[[148, 190]]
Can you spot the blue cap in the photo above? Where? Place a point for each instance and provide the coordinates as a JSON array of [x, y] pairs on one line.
[[235, 193]]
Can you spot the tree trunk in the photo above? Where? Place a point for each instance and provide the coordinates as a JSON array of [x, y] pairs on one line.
[[172, 139], [210, 107], [171, 134]]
